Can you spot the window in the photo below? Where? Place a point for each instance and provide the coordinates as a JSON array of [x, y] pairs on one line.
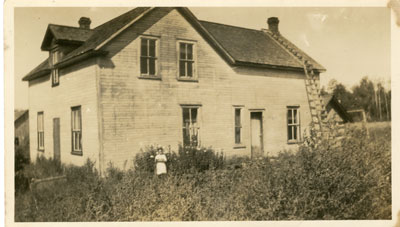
[[148, 57], [238, 126], [54, 77], [191, 127], [40, 131], [76, 125], [293, 124], [54, 57], [186, 60]]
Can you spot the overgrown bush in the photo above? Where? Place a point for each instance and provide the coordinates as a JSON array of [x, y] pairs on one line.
[[332, 179], [187, 160], [42, 168]]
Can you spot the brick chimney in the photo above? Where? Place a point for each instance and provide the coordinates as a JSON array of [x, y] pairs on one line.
[[273, 24], [84, 22]]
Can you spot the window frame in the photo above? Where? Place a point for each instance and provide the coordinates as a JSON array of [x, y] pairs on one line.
[[197, 126], [40, 132], [73, 150], [194, 77], [55, 56], [157, 57], [236, 144], [55, 74], [296, 124]]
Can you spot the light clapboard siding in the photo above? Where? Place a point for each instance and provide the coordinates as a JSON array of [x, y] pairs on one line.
[[77, 87], [140, 112]]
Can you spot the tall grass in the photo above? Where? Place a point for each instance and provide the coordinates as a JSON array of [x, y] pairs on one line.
[[328, 180]]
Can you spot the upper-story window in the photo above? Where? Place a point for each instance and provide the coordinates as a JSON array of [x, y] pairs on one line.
[[54, 57], [186, 60], [148, 56]]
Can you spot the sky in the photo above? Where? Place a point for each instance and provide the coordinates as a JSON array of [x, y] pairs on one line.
[[350, 42]]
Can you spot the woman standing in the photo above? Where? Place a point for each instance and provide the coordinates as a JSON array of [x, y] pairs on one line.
[[160, 159]]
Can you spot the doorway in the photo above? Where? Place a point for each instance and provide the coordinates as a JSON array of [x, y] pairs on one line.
[[256, 124], [56, 139]]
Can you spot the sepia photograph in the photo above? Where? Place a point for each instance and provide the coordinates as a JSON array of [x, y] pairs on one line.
[[160, 114]]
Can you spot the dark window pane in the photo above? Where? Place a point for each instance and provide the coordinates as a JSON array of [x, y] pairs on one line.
[[185, 113], [294, 116], [152, 66], [289, 115], [152, 48], [295, 132], [189, 69], [182, 51], [186, 136], [237, 117], [143, 65], [80, 141], [194, 115], [237, 135], [190, 51], [143, 47], [182, 68], [290, 133]]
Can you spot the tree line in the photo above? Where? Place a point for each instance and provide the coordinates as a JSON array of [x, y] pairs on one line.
[[372, 97]]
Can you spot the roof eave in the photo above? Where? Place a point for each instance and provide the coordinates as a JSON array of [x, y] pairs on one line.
[[259, 65], [36, 75], [65, 63], [80, 57]]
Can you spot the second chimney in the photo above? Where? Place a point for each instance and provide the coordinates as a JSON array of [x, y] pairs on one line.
[[84, 22], [273, 24]]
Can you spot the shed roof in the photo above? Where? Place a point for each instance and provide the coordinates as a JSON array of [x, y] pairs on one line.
[[337, 106]]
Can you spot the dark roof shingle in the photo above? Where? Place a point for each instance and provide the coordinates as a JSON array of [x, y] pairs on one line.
[[253, 46], [242, 44], [61, 32], [104, 31]]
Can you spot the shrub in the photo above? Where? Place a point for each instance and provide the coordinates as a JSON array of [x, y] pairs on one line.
[[42, 168], [187, 160], [348, 178]]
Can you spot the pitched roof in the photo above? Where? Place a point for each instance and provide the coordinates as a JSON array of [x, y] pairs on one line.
[[253, 46], [62, 32], [65, 34], [104, 31], [239, 45]]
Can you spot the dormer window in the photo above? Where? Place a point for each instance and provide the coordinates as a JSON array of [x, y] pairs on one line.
[[54, 57]]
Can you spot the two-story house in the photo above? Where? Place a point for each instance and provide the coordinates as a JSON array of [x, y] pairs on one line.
[[160, 75]]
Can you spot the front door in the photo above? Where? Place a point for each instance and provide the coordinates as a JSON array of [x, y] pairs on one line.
[[256, 134], [56, 139]]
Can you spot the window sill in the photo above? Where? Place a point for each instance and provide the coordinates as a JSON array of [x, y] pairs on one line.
[[55, 85], [239, 146], [77, 153], [294, 142], [149, 77], [188, 79]]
